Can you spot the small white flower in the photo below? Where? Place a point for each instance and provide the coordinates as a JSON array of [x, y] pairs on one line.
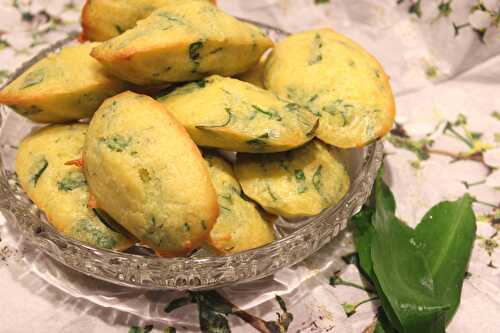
[[492, 157], [429, 9], [480, 20], [493, 179], [491, 5]]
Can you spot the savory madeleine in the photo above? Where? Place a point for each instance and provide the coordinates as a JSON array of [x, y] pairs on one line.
[[105, 19], [146, 173], [60, 190], [234, 115], [296, 183], [183, 41], [337, 80], [64, 86], [240, 225]]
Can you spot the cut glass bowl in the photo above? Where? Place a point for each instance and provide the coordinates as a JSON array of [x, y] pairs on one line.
[[296, 240]]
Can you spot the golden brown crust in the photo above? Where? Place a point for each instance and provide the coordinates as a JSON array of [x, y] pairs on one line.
[[129, 52], [6, 98], [85, 21]]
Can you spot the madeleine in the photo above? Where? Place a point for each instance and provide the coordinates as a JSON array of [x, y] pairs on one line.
[[146, 173], [183, 41], [297, 183], [230, 114], [60, 190], [66, 85], [105, 19], [337, 80], [240, 225]]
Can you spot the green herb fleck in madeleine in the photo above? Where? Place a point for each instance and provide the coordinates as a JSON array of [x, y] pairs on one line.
[[259, 141], [40, 166], [300, 177], [317, 179], [71, 181], [194, 54], [33, 78], [316, 55], [224, 124], [116, 142], [271, 113], [87, 231]]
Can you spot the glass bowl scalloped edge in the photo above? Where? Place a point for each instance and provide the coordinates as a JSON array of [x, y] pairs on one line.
[[187, 273]]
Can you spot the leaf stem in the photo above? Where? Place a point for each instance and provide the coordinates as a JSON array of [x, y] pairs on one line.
[[486, 203], [351, 309], [374, 298], [457, 156], [468, 185], [337, 281], [255, 322], [459, 136]]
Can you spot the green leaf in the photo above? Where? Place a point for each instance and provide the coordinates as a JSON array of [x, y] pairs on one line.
[[281, 303], [445, 8], [363, 233], [418, 147], [416, 9], [211, 321], [379, 329], [385, 203], [349, 309], [446, 235], [418, 274], [177, 303], [170, 330], [402, 274], [496, 115], [212, 300], [383, 324], [391, 316], [136, 329], [284, 319]]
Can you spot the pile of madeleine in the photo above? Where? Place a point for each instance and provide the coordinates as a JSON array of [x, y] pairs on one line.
[[145, 110]]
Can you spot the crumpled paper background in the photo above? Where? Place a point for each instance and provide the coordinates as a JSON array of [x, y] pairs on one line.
[[443, 58]]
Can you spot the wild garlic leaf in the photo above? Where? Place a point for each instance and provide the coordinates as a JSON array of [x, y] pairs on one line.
[[177, 303], [418, 274], [211, 321], [213, 301], [446, 235], [402, 274], [363, 233], [383, 323]]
